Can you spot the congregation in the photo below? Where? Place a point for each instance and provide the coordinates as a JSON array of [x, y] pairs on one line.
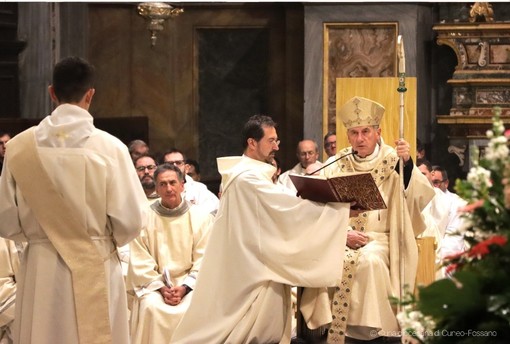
[[130, 247]]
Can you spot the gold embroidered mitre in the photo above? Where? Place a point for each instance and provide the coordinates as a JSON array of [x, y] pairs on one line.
[[359, 111]]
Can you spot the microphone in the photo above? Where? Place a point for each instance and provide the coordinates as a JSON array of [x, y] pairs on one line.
[[354, 152]]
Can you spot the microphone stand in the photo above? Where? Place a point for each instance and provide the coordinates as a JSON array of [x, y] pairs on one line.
[[343, 156]]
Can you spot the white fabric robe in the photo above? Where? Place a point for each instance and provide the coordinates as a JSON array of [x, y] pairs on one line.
[[95, 174], [262, 242], [378, 271], [286, 181], [174, 243], [453, 240], [198, 193], [9, 265]]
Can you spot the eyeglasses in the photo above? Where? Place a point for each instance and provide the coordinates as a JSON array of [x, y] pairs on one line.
[[175, 162], [438, 182], [329, 144], [149, 167], [274, 141]]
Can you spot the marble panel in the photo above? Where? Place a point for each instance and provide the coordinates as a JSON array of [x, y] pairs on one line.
[[232, 85], [356, 50]]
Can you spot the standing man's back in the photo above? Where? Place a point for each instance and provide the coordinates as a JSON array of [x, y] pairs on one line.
[[71, 191]]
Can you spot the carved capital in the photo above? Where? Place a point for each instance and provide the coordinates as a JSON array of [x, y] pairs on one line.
[[459, 152]]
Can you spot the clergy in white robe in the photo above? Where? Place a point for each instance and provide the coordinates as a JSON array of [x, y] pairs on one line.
[[9, 265], [168, 253], [307, 152], [361, 304], [92, 174], [262, 242], [453, 224], [435, 215], [194, 192]]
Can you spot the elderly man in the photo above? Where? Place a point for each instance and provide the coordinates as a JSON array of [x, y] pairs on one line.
[[137, 148], [307, 152], [165, 259], [194, 192], [263, 241], [376, 243]]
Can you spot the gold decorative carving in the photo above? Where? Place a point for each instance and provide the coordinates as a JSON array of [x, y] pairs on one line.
[[481, 11], [482, 77]]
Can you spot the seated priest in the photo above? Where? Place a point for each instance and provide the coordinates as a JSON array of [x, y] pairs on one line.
[[377, 244], [165, 259], [10, 254]]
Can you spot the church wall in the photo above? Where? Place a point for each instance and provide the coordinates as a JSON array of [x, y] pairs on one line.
[[414, 24], [175, 88]]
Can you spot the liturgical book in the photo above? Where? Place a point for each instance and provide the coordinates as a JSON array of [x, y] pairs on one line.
[[355, 187]]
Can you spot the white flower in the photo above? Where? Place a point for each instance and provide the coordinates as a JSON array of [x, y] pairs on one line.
[[415, 315], [480, 180]]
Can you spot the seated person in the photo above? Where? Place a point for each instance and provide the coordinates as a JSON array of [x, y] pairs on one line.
[[194, 192], [307, 152], [376, 243], [165, 259], [9, 264]]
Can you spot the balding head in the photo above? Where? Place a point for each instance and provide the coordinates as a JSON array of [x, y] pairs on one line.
[[307, 152]]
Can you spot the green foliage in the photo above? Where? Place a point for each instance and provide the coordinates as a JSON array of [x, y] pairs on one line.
[[473, 305]]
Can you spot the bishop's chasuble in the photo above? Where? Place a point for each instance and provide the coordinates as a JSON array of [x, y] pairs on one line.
[[372, 272]]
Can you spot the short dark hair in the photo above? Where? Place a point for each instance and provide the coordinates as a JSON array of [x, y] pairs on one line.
[[438, 168], [168, 167], [72, 78], [329, 133], [195, 164], [146, 155], [253, 129], [425, 162], [170, 151]]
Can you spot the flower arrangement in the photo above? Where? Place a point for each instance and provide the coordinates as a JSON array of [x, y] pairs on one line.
[[473, 304]]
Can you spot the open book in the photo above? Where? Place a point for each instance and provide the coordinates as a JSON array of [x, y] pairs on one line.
[[355, 187]]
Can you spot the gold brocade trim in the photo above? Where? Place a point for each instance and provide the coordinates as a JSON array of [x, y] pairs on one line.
[[342, 295], [380, 172]]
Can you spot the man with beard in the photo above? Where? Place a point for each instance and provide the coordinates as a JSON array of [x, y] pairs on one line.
[[262, 242], [145, 166]]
